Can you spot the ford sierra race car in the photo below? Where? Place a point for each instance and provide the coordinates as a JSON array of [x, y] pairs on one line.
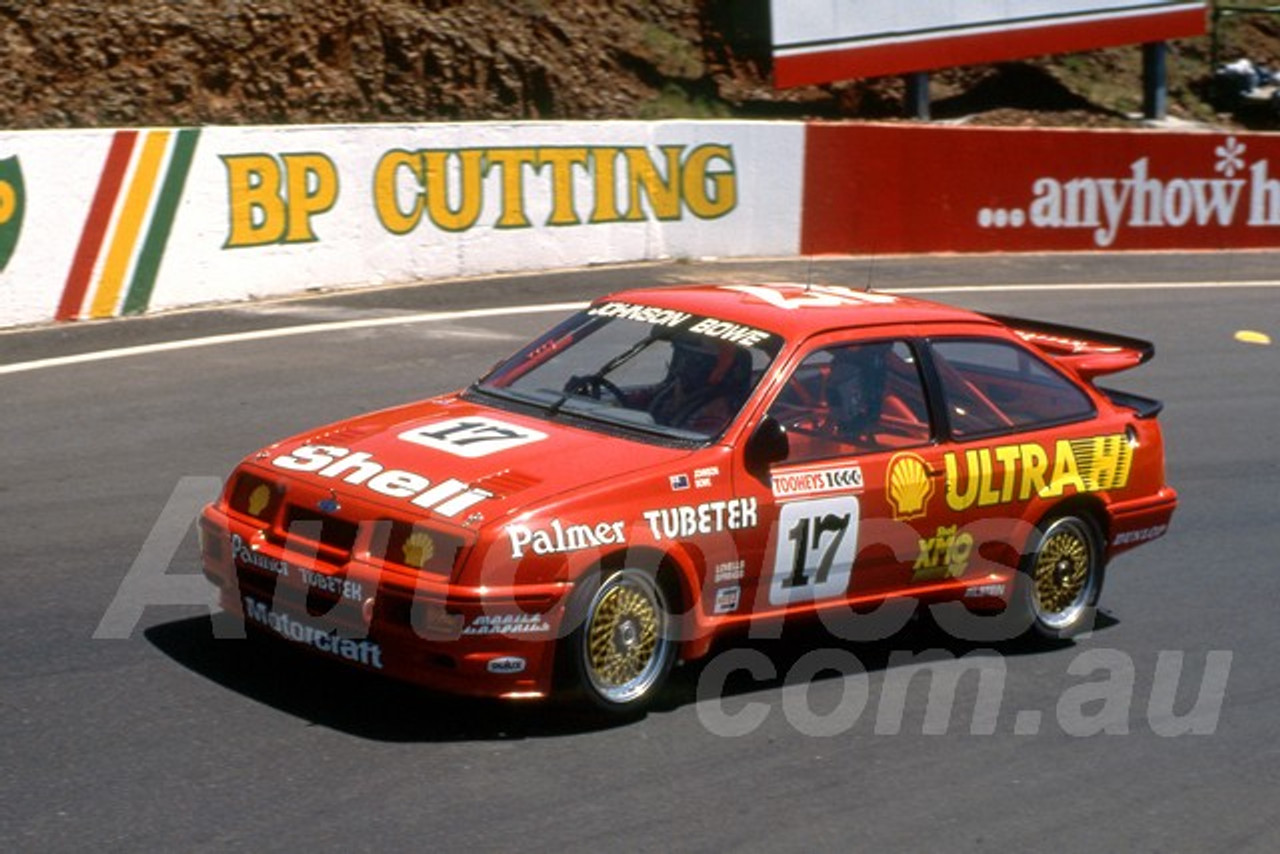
[[671, 464]]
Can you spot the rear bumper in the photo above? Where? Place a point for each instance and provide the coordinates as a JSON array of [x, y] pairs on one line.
[[1141, 521], [414, 627]]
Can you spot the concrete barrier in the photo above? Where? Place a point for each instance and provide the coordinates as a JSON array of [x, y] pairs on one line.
[[104, 223], [97, 224]]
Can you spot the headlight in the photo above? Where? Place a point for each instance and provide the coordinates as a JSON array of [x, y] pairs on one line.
[[416, 547], [255, 497]]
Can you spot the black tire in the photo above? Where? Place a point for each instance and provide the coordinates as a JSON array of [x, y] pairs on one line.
[[1063, 575], [622, 651]]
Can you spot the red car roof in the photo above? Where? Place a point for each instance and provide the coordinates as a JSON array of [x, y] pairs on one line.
[[793, 310]]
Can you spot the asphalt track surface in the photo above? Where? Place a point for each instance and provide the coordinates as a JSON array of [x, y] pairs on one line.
[[172, 738]]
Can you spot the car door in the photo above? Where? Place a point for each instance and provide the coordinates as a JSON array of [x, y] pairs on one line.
[[836, 515]]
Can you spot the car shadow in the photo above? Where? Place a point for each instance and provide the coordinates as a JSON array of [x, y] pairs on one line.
[[325, 693], [770, 664], [369, 706]]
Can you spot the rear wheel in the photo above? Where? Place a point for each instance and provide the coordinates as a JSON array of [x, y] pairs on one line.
[[623, 651], [1065, 571]]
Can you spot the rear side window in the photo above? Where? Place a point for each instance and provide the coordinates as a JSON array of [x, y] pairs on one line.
[[992, 386]]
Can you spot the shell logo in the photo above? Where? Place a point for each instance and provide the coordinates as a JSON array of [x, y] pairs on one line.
[[909, 486], [259, 499], [419, 549]]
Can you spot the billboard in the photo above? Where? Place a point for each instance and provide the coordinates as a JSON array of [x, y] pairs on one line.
[[897, 188], [820, 41]]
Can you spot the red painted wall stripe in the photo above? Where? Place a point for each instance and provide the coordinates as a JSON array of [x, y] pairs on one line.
[[95, 228], [877, 189], [855, 62]]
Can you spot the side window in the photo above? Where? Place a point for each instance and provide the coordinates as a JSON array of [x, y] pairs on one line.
[[996, 386], [855, 399]]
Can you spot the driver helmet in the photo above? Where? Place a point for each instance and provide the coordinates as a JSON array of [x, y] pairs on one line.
[[697, 361], [855, 388]]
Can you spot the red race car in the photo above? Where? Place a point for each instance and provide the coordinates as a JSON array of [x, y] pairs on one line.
[[670, 464]]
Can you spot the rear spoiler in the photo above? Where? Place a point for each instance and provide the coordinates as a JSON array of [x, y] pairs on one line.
[[1088, 352]]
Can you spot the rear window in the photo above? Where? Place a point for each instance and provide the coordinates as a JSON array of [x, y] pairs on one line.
[[992, 386]]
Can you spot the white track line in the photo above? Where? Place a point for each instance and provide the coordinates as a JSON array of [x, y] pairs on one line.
[[1097, 286], [506, 311], [285, 332]]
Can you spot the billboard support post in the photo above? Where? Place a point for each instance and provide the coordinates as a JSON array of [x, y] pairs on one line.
[[1155, 80], [918, 95]]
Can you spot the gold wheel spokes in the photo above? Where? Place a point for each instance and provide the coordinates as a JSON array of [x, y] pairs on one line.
[[622, 636], [1062, 571], [624, 649]]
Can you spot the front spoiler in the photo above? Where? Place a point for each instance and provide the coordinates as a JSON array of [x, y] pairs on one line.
[[413, 627]]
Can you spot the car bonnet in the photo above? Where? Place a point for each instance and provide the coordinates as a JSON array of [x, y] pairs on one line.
[[459, 461]]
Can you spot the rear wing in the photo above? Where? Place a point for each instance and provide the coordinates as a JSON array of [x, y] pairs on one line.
[[1088, 352]]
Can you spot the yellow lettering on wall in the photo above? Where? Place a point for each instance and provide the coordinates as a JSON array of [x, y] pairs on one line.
[[511, 163], [469, 191], [662, 192], [626, 184], [708, 194], [386, 197], [605, 165], [562, 161], [258, 215], [275, 200], [313, 190]]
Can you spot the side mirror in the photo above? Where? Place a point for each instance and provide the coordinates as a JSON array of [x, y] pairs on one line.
[[767, 445]]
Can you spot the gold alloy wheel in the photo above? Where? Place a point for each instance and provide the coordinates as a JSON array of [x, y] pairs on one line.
[[1063, 575], [624, 649]]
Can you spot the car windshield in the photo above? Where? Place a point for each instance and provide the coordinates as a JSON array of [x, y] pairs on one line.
[[644, 368]]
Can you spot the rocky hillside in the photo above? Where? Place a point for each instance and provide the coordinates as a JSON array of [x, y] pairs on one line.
[[73, 63]]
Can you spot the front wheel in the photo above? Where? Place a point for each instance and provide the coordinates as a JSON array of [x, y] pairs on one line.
[[622, 650], [1065, 571]]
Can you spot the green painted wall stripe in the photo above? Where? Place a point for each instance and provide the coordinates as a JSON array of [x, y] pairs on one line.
[[175, 181]]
